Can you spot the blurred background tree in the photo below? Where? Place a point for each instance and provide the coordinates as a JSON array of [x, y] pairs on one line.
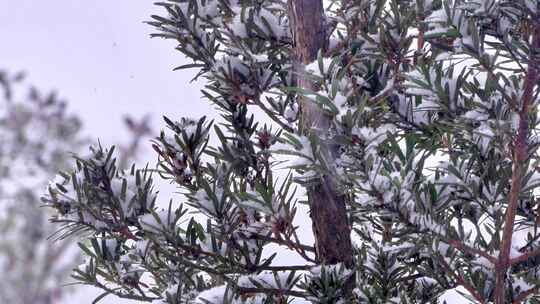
[[37, 134]]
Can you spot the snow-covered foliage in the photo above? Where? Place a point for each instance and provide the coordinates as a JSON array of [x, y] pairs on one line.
[[431, 138]]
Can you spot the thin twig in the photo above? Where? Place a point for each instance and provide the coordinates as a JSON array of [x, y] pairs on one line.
[[524, 257], [461, 281], [283, 242], [524, 295], [465, 248]]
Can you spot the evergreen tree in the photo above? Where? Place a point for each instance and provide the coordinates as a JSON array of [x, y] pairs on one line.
[[406, 130]]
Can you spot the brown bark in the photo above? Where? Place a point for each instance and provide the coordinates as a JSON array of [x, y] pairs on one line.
[[328, 210], [520, 161]]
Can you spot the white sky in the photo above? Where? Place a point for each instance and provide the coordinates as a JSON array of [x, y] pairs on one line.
[[99, 56]]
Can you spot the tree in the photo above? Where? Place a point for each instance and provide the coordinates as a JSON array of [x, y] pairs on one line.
[[35, 137], [37, 133], [411, 125]]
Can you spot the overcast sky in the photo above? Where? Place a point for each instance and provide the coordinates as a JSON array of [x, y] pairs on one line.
[[99, 56]]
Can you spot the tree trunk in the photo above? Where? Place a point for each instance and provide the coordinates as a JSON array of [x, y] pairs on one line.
[[328, 210]]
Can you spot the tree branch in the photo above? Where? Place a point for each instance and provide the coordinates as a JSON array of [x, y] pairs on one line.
[[520, 156], [274, 291]]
